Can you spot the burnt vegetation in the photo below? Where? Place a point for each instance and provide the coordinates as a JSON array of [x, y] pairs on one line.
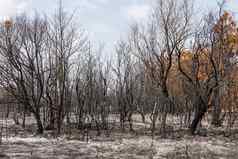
[[171, 74]]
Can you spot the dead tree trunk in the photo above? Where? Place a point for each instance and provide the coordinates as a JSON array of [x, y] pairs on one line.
[[199, 114], [216, 108], [40, 128]]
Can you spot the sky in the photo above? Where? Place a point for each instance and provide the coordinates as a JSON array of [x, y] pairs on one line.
[[106, 21]]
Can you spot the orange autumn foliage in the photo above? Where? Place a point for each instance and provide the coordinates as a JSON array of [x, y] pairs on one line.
[[224, 51]]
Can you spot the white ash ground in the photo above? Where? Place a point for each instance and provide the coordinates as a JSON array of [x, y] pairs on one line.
[[127, 147], [21, 144]]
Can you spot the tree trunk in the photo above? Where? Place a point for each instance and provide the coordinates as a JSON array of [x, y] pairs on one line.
[[24, 119], [59, 121], [166, 104], [52, 119], [216, 108], [40, 128], [202, 109], [59, 124], [163, 124], [130, 121], [51, 124], [122, 120]]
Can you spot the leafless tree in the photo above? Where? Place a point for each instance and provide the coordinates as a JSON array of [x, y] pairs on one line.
[[168, 29], [66, 42], [22, 67]]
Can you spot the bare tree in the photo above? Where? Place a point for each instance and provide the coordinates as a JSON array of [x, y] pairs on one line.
[[66, 43], [169, 29], [23, 66]]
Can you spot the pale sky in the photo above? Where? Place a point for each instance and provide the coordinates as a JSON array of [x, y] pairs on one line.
[[105, 20]]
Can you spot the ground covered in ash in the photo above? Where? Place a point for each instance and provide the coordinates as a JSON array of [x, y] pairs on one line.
[[129, 147], [22, 144]]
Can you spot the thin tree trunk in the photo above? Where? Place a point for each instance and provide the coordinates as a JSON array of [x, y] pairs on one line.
[[163, 124], [59, 122], [216, 109]]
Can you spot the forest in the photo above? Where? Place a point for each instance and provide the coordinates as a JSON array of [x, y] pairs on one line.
[[172, 79]]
